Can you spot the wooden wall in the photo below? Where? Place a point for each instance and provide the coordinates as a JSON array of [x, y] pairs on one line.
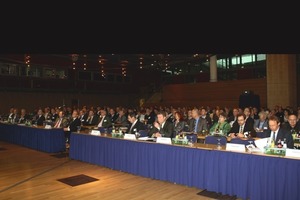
[[33, 100], [222, 93]]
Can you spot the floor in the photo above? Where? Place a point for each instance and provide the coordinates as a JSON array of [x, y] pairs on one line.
[[30, 174]]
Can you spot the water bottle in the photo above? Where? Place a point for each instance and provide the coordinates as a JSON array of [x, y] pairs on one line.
[[284, 143]]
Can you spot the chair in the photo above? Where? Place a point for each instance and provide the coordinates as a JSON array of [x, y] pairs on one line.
[[240, 141], [261, 134], [210, 139], [143, 133], [192, 137], [103, 130]]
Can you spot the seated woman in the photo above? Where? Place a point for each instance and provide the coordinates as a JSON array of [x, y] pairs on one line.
[[179, 124], [221, 127]]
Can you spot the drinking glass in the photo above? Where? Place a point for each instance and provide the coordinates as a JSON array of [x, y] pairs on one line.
[[78, 129], [250, 147], [219, 143]]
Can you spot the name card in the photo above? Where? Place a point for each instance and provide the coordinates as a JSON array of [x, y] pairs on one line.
[[292, 153], [163, 140], [95, 132], [48, 126], [129, 136], [235, 147]]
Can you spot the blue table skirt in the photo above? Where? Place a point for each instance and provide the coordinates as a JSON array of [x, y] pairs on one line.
[[46, 140], [244, 175]]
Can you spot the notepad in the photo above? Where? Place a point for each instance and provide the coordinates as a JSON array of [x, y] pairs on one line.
[[163, 140], [129, 136], [95, 132], [235, 147]]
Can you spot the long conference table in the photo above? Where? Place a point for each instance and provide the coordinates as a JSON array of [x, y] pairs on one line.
[[248, 176], [41, 139]]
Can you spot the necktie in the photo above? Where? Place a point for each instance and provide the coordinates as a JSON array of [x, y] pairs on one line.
[[90, 120], [196, 125], [101, 122], [274, 136], [57, 123], [241, 129]]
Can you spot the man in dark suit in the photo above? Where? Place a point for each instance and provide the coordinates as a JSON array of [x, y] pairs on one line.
[[233, 118], [249, 120], [23, 117], [73, 127], [199, 124], [261, 125], [92, 119], [279, 134], [241, 129], [161, 127], [104, 120], [113, 115], [292, 125], [206, 116], [40, 118], [136, 125]]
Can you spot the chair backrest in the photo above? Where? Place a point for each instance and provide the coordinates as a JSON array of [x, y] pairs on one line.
[[240, 141], [193, 137], [143, 133], [261, 134], [103, 129], [210, 139]]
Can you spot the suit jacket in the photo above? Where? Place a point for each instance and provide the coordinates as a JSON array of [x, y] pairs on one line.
[[40, 120], [166, 131], [283, 133], [247, 128], [150, 118], [288, 127], [106, 121], [136, 128], [23, 119], [114, 117], [92, 122], [73, 124], [202, 125], [265, 124], [179, 127], [83, 118], [63, 124], [54, 117]]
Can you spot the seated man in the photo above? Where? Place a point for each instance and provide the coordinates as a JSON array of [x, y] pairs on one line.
[[161, 127], [92, 119], [292, 125], [136, 125], [23, 117], [241, 129], [199, 124], [61, 121], [39, 118], [72, 127], [278, 134], [261, 124], [104, 120]]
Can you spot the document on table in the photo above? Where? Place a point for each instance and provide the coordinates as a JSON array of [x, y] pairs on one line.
[[146, 139]]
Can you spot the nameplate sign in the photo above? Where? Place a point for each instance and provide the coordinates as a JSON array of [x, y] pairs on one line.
[[129, 136], [95, 132], [292, 153], [163, 140], [235, 147]]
